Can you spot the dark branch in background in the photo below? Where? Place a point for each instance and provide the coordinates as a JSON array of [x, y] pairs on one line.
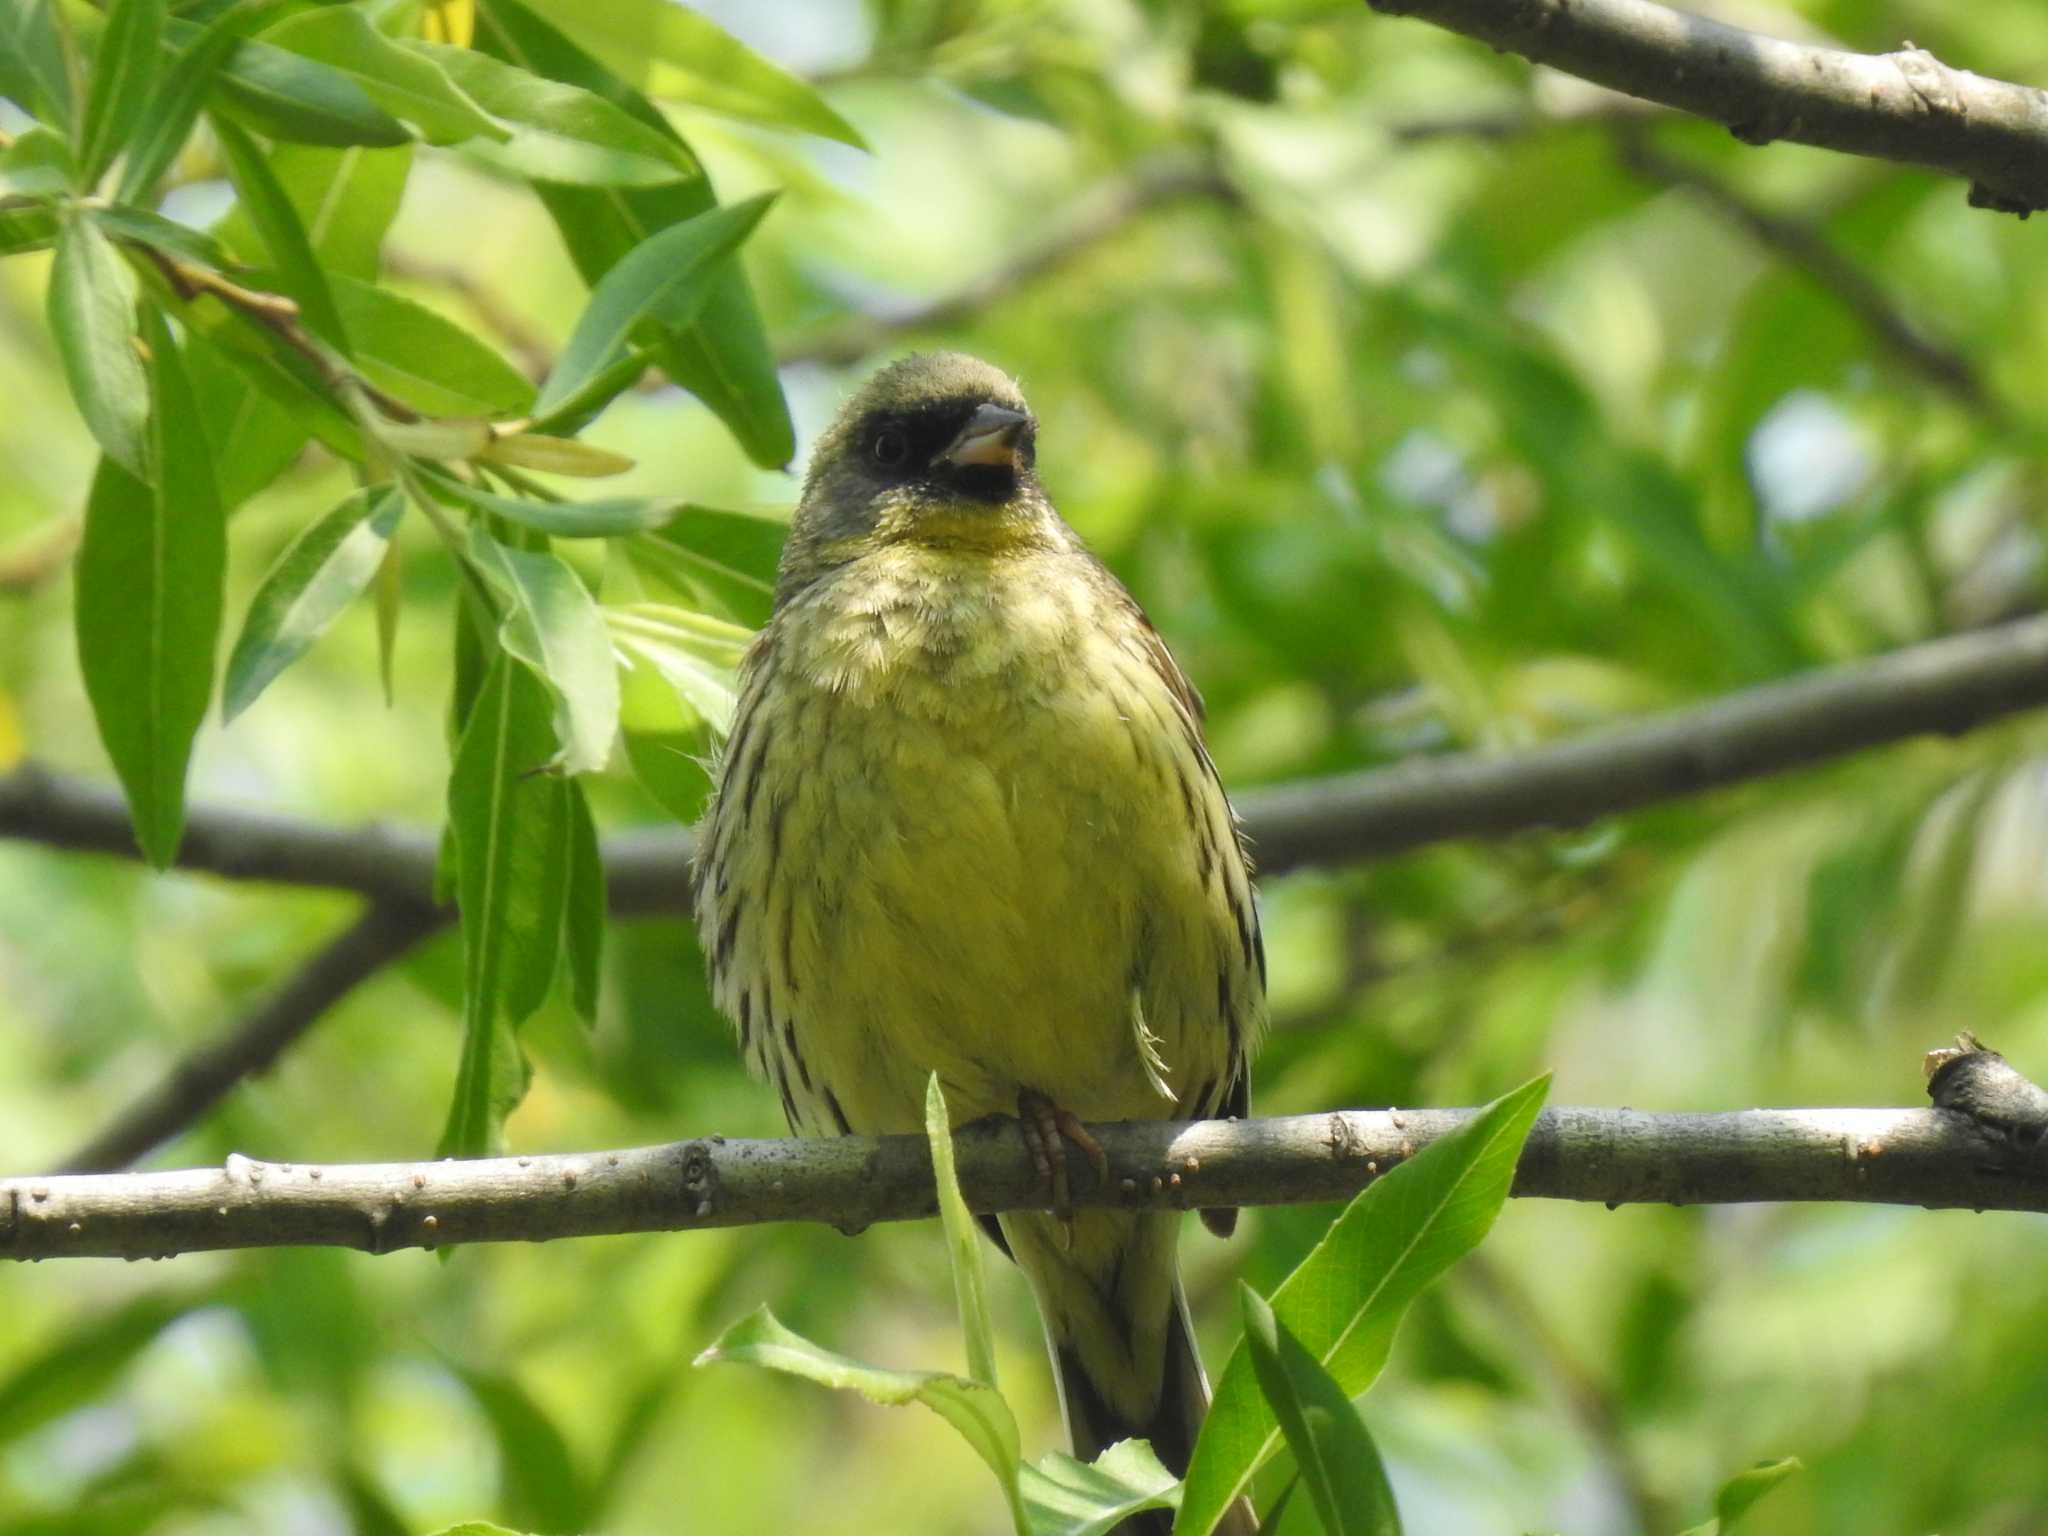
[[381, 936], [1906, 106], [1803, 247], [1987, 1155], [1945, 686], [1095, 218]]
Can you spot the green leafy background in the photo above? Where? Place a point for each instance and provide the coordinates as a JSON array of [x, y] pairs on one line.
[[1419, 415]]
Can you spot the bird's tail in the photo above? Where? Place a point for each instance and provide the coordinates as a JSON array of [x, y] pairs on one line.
[[1094, 1423]]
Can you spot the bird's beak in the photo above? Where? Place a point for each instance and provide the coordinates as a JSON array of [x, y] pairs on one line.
[[993, 435]]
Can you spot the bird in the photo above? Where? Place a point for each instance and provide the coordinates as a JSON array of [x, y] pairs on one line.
[[966, 821]]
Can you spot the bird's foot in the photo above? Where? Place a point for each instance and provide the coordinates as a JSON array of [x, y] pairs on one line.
[[1044, 1124]]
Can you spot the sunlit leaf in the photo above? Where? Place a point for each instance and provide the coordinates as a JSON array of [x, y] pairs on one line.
[[573, 519], [299, 272], [553, 625], [424, 358], [1742, 1492], [675, 52], [398, 79], [1345, 1300], [32, 67], [298, 100], [973, 1408], [664, 282], [92, 316], [963, 1239], [170, 111], [721, 560], [1067, 1497], [37, 164], [320, 573]]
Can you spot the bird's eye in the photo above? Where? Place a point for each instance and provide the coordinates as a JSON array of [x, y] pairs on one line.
[[890, 447]]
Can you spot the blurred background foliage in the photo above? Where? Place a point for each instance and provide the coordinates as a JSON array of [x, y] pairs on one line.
[[1429, 403]]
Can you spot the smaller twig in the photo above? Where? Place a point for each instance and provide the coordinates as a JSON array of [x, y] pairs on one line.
[[40, 557], [1097, 217], [381, 936], [1805, 248], [532, 350]]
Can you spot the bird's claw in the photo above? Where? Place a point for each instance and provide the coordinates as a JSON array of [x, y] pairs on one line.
[[1045, 1124]]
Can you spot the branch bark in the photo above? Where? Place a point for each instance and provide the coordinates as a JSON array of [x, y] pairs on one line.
[[1906, 106], [1945, 686], [1936, 1158]]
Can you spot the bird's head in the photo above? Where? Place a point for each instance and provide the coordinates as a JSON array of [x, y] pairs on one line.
[[938, 449]]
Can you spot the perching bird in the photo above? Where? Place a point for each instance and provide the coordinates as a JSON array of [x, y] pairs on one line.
[[966, 823]]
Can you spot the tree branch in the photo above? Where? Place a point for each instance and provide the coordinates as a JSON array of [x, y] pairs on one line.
[[1906, 106], [382, 935], [1945, 686], [1928, 1157]]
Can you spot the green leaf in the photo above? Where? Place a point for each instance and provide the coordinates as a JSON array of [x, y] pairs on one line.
[[141, 226], [1742, 1492], [683, 56], [403, 82], [1065, 1497], [665, 281], [254, 438], [724, 358], [38, 164], [573, 519], [552, 623], [504, 817], [528, 449], [123, 81], [696, 654], [299, 272], [92, 316], [151, 566], [27, 229], [583, 912], [78, 1367], [34, 69], [963, 1239], [723, 561], [1344, 1301], [973, 1408], [424, 358], [477, 1528], [171, 110], [667, 740], [345, 200], [558, 132], [1332, 1448], [319, 574], [298, 100]]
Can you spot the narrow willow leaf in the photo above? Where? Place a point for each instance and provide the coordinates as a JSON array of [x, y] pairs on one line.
[[724, 358], [151, 566], [680, 55], [697, 655], [667, 740], [504, 819], [293, 99], [169, 113], [27, 229], [400, 80], [557, 132], [963, 1239], [541, 1483], [92, 316], [345, 198], [723, 561], [38, 164], [390, 606], [477, 1528], [973, 1408], [434, 437], [1065, 1497], [33, 67], [583, 912], [1337, 1459], [556, 456], [1741, 1493], [666, 280], [140, 226], [553, 625], [1345, 1300], [322, 571], [254, 438], [573, 519], [449, 21], [298, 269], [426, 359], [124, 74]]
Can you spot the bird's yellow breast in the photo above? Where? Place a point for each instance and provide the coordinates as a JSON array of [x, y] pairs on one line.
[[967, 827]]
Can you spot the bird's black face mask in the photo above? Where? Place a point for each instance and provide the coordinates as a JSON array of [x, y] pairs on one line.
[[973, 449]]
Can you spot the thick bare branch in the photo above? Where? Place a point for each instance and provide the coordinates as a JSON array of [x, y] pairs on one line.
[[1945, 686], [1906, 106], [1927, 1157], [382, 935]]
